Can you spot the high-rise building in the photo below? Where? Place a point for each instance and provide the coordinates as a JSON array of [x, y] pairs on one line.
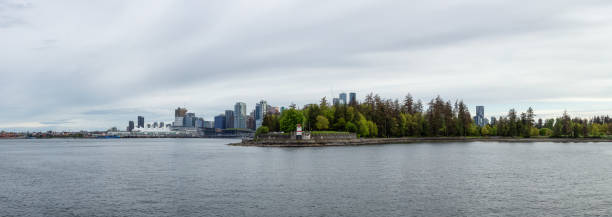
[[178, 121], [220, 121], [250, 122], [179, 117], [343, 98], [240, 116], [208, 124], [352, 98], [260, 111], [180, 112], [155, 124], [273, 110], [493, 120], [336, 101], [479, 119], [161, 124], [199, 122], [141, 123], [189, 120], [130, 126], [229, 119]]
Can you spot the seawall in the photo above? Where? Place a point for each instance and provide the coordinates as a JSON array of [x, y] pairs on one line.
[[378, 141]]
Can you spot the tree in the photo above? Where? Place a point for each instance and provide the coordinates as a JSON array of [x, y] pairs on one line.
[[262, 130], [362, 125], [351, 127], [322, 123], [290, 118], [546, 132], [272, 122], [340, 124], [485, 131], [408, 106], [373, 129]]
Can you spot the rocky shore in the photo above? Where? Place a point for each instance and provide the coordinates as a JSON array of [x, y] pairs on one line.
[[378, 141]]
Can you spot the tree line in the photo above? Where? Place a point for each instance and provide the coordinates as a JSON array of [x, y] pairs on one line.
[[379, 117]]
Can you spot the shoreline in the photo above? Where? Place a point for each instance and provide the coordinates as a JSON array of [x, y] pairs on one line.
[[407, 140]]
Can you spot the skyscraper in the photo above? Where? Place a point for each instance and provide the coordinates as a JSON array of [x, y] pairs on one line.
[[179, 117], [189, 120], [220, 121], [240, 116], [343, 98], [260, 112], [352, 98], [335, 101], [180, 112], [141, 123], [229, 119], [479, 119], [130, 126]]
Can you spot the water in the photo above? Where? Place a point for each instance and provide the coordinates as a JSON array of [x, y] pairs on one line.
[[204, 177]]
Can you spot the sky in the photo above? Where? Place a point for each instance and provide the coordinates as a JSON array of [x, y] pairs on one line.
[[91, 65]]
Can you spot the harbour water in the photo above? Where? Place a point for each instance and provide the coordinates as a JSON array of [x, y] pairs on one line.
[[205, 177]]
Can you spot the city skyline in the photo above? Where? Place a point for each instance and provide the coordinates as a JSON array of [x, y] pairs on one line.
[[62, 70]]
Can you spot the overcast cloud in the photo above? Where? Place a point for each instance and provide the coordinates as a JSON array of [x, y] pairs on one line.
[[97, 64]]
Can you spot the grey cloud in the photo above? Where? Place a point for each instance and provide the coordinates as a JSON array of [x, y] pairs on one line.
[[115, 51]]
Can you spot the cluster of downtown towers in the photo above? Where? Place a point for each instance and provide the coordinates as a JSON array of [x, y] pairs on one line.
[[231, 119], [238, 118]]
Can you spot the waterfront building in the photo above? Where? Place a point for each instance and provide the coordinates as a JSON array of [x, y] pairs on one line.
[[161, 124], [229, 119], [178, 121], [352, 98], [148, 125], [209, 124], [343, 98], [141, 122], [155, 124], [130, 126], [479, 119], [240, 116], [220, 121], [199, 123], [189, 120]]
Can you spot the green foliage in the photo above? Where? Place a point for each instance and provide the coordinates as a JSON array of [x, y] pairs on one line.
[[290, 118], [272, 122], [473, 130], [546, 132], [373, 129], [485, 131], [379, 117], [534, 132], [340, 124], [262, 130], [322, 123], [350, 127]]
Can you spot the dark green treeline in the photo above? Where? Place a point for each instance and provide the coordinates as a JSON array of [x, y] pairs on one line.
[[378, 117]]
